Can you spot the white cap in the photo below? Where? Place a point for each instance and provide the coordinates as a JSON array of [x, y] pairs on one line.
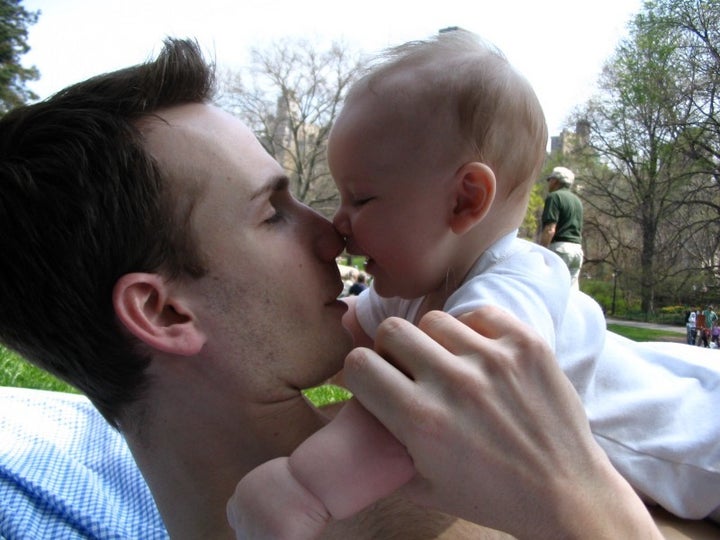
[[564, 175]]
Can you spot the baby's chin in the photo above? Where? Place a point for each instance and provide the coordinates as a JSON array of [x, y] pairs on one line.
[[388, 291], [383, 289]]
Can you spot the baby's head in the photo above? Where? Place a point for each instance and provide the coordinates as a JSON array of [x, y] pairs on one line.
[[408, 129], [448, 100]]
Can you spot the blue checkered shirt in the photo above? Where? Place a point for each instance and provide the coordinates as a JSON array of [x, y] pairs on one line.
[[66, 474]]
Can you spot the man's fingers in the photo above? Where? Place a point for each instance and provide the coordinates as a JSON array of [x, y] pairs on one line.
[[457, 338], [492, 322], [380, 387], [407, 347]]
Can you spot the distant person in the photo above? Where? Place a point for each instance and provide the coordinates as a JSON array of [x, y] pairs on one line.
[[562, 221], [359, 285], [704, 322], [710, 317], [691, 329], [701, 336]]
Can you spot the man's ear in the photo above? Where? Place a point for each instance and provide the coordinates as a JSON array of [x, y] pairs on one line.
[[475, 192], [143, 303]]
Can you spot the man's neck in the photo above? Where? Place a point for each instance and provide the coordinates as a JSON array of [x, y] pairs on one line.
[[194, 452]]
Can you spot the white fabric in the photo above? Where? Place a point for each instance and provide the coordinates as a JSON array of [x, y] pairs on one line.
[[652, 407]]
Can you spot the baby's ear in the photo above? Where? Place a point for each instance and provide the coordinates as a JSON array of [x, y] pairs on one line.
[[146, 307], [475, 192]]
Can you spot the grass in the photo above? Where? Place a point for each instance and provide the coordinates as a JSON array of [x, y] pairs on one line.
[[15, 371], [645, 334], [327, 394]]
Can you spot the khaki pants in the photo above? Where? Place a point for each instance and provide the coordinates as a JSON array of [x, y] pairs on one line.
[[572, 254]]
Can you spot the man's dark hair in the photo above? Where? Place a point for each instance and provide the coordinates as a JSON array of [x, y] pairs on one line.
[[82, 203]]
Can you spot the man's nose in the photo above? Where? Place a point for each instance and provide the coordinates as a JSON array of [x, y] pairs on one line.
[[328, 243], [341, 222]]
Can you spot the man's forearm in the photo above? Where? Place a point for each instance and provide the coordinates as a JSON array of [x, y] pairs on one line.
[[547, 234]]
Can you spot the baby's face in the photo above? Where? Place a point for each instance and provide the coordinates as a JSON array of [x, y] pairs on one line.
[[396, 196]]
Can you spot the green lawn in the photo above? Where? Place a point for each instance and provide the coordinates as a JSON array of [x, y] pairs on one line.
[[327, 394], [14, 371], [645, 334]]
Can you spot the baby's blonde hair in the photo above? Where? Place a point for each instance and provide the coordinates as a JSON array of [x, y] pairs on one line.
[[495, 108]]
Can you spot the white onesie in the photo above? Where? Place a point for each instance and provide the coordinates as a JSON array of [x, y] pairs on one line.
[[653, 407]]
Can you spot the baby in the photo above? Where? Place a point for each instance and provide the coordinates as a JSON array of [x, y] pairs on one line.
[[435, 153]]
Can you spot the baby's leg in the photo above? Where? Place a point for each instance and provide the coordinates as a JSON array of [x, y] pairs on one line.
[[351, 462], [347, 465], [270, 503]]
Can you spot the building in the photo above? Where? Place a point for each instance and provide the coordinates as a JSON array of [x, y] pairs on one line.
[[568, 142]]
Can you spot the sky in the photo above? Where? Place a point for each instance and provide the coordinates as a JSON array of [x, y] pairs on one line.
[[560, 46]]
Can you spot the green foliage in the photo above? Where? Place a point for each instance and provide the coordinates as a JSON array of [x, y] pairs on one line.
[[674, 310], [651, 209], [531, 223], [353, 260], [600, 291], [14, 23], [15, 371]]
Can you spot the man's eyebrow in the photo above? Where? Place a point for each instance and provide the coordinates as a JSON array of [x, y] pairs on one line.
[[276, 183]]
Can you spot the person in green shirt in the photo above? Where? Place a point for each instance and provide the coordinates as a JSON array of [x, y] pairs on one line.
[[562, 222]]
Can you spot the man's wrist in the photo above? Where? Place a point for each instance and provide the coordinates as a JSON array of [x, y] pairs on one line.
[[607, 507]]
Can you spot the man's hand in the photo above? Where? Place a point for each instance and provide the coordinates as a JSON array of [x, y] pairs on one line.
[[496, 431]]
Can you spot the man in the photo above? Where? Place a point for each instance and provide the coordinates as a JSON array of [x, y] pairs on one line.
[[701, 338], [710, 318], [146, 228], [562, 221], [359, 285], [690, 326]]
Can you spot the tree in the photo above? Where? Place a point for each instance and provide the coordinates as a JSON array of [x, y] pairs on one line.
[[290, 96], [639, 128], [654, 208], [14, 23], [696, 23], [531, 223]]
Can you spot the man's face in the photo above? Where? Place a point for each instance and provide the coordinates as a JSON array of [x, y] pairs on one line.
[[268, 304]]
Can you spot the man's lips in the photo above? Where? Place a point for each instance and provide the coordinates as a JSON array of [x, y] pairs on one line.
[[338, 286]]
